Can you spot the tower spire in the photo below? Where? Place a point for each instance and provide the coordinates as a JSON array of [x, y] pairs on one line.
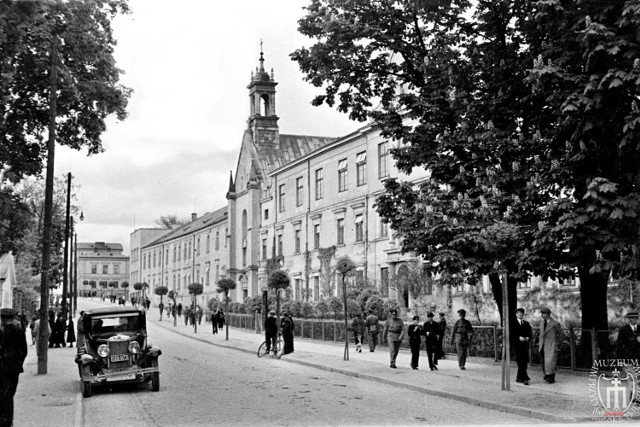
[[261, 58]]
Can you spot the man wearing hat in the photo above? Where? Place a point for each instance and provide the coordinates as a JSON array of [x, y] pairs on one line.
[[415, 339], [431, 331], [357, 326], [628, 342], [13, 350], [461, 335], [372, 329], [442, 329], [394, 333], [271, 331], [522, 336], [550, 332]]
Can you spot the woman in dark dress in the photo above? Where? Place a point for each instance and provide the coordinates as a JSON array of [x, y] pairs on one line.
[[220, 319], [287, 332]]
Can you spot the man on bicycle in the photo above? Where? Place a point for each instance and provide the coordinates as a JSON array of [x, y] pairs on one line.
[[271, 331]]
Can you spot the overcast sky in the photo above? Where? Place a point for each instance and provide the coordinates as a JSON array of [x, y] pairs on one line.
[[189, 64]]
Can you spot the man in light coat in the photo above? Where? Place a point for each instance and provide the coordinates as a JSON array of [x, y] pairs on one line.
[[550, 335]]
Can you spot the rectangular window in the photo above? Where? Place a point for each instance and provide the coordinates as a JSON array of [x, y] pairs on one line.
[[384, 229], [316, 236], [217, 272], [297, 288], [279, 244], [105, 269], [359, 229], [299, 192], [208, 276], [244, 256], [94, 269], [217, 240], [316, 288], [383, 167], [281, 199], [179, 251], [174, 254], [340, 231], [116, 268], [266, 214], [384, 281], [264, 249], [208, 243], [319, 186], [342, 175], [361, 168], [166, 258], [297, 240]]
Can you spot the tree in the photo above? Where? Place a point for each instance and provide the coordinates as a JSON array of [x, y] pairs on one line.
[[224, 286], [278, 280], [344, 267], [88, 88], [162, 291], [170, 221], [195, 289]]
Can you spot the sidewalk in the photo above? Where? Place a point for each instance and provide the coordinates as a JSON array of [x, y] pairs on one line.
[[565, 401]]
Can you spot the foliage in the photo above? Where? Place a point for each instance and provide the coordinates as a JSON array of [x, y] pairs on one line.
[[475, 300], [388, 306], [325, 255], [336, 306], [14, 220], [253, 304], [306, 310], [322, 308], [413, 278], [213, 304], [161, 290], [225, 285], [195, 288], [88, 88], [170, 222], [353, 307], [295, 308], [376, 304], [138, 286], [279, 279], [126, 285]]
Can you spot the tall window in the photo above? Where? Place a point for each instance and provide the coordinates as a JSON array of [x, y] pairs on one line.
[[359, 229], [208, 275], [279, 244], [361, 168], [166, 257], [174, 253], [244, 256], [383, 167], [217, 272], [94, 269], [105, 269], [264, 248], [144, 261], [217, 240], [198, 246], [299, 192], [179, 251], [316, 288], [208, 243], [319, 186], [266, 214], [384, 229], [116, 268], [340, 231], [316, 236], [384, 281], [342, 175], [155, 258], [298, 284], [244, 225], [281, 197], [297, 240]]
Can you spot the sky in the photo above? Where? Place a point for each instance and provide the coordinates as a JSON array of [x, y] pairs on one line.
[[189, 64]]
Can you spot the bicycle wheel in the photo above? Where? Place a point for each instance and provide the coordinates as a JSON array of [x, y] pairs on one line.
[[278, 350], [262, 350]]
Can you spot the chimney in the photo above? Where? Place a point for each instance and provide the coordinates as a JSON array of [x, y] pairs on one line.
[[194, 216]]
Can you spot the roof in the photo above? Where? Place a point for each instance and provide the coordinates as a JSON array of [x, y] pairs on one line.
[[204, 221], [100, 246], [288, 149], [112, 310]]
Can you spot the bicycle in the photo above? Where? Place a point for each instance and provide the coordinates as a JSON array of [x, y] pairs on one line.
[[277, 351]]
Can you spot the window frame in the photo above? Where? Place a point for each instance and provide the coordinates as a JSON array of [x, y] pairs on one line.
[[319, 184], [340, 231], [383, 160], [361, 169], [343, 175]]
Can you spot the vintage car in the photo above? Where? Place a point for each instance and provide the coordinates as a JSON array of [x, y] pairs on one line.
[[113, 347]]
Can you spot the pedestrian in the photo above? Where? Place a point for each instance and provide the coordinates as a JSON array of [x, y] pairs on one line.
[[220, 319], [548, 345], [13, 350], [71, 333], [271, 331], [161, 308], [628, 349], [186, 312], [214, 322], [372, 329], [394, 334], [461, 335], [34, 333], [415, 340], [431, 332], [522, 336], [442, 330], [357, 326], [199, 314], [179, 309], [22, 318], [287, 326]]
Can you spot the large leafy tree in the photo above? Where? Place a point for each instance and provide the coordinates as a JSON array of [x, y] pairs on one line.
[[88, 88]]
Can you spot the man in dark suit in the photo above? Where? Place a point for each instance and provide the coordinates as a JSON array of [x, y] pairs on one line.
[[13, 350], [442, 329], [522, 335], [628, 342], [271, 331], [430, 329]]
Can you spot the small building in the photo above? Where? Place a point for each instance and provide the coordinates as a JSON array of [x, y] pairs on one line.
[[102, 268]]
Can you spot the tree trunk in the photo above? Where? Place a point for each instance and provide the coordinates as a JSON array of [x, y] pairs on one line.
[[512, 295], [593, 295]]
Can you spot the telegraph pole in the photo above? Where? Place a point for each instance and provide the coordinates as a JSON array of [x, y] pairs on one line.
[[65, 271]]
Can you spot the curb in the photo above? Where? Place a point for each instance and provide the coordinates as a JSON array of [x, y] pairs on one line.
[[516, 410]]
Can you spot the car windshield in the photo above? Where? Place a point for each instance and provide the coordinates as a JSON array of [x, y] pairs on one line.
[[116, 322]]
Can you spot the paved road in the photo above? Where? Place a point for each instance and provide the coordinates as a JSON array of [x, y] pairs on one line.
[[202, 384]]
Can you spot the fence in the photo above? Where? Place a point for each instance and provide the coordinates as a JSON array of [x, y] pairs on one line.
[[577, 348]]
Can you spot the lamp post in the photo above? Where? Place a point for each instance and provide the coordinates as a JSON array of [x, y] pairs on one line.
[[73, 265]]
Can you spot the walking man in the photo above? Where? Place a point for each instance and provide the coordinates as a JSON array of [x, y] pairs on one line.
[[522, 336], [357, 326], [13, 350], [270, 331], [461, 335], [394, 333], [415, 339], [431, 330], [548, 346], [442, 329], [372, 329]]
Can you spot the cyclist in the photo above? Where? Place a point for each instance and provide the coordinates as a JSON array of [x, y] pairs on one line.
[[271, 331]]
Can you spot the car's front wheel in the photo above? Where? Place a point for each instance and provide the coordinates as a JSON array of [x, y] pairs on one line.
[[155, 377], [85, 381]]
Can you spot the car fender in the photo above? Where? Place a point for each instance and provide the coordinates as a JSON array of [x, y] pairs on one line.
[[84, 359], [153, 351]]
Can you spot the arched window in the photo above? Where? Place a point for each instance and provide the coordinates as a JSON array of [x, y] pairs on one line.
[[244, 224], [264, 105]]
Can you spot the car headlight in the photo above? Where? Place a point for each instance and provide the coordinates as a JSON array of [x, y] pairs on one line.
[[134, 347], [103, 350]]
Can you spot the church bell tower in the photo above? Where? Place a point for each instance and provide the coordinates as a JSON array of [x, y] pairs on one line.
[[263, 121]]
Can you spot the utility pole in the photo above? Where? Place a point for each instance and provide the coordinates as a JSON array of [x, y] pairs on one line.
[[65, 270], [75, 271], [48, 213], [70, 240]]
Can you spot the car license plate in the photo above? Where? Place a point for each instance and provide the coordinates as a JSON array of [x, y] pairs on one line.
[[119, 357]]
